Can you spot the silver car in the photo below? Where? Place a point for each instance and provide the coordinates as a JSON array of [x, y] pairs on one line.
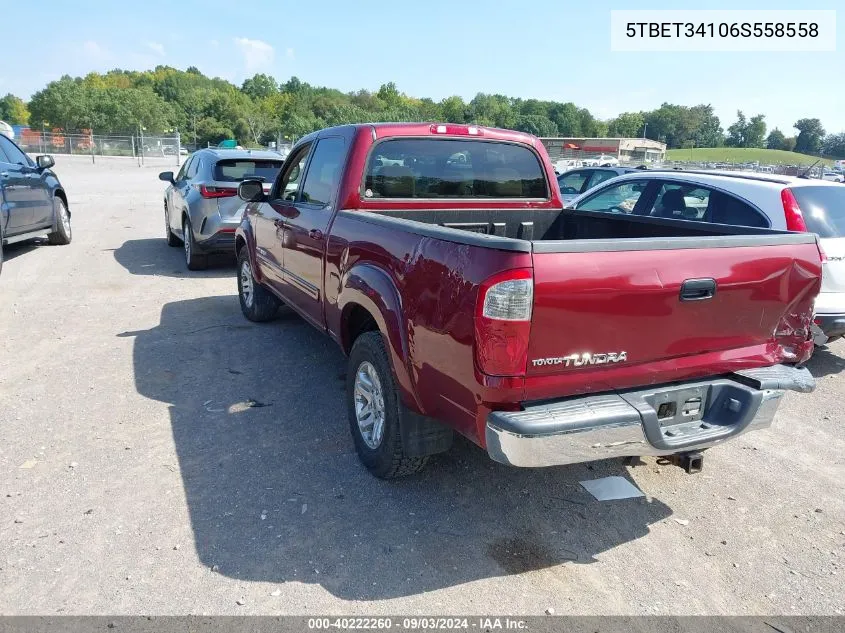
[[574, 182], [201, 205], [787, 203]]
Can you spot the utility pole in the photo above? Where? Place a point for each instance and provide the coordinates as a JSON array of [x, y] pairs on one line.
[[141, 135], [645, 127]]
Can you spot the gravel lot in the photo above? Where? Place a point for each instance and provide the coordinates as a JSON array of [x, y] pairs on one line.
[[134, 480]]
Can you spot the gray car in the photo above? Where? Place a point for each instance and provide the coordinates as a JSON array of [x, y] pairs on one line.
[[201, 205], [574, 182]]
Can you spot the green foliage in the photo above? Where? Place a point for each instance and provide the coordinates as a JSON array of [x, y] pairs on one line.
[[681, 125], [13, 110], [626, 125], [776, 140], [747, 133], [810, 135], [209, 109], [834, 145]]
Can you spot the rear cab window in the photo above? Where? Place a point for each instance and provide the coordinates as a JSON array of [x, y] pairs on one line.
[[823, 209], [238, 169], [453, 168]]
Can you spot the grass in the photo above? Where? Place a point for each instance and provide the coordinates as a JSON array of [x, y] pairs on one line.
[[742, 155]]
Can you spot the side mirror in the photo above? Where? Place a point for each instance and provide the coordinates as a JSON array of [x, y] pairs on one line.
[[251, 191], [166, 176], [44, 162]]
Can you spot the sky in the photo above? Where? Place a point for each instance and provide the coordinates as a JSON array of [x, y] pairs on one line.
[[436, 48]]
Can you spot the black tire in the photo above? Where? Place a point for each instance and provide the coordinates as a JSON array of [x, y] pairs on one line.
[[193, 259], [263, 305], [63, 233], [387, 460], [172, 240]]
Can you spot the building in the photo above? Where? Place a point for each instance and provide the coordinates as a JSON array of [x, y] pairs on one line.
[[605, 150]]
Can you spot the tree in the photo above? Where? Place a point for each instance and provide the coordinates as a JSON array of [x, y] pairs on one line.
[[260, 86], [536, 125], [13, 110], [389, 95], [776, 140], [755, 132], [708, 128], [737, 131], [626, 125], [810, 135], [789, 143], [63, 103], [834, 145], [454, 110]]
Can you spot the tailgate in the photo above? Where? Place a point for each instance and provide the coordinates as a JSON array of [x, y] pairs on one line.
[[612, 304]]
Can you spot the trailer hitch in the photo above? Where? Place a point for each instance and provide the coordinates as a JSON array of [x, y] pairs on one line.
[[692, 462]]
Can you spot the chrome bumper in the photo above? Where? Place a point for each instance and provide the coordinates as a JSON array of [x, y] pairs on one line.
[[626, 423]]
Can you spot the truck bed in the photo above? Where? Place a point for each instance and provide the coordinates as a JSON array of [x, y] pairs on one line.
[[518, 229]]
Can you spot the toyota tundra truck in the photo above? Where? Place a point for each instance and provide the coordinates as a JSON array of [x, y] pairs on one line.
[[467, 299]]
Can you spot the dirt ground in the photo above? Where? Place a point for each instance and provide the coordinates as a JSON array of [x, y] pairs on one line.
[[134, 480]]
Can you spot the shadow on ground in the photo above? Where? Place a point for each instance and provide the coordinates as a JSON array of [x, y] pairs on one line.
[[10, 251], [825, 361], [152, 256], [275, 492]]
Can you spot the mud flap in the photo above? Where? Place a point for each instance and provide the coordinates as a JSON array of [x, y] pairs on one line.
[[422, 435]]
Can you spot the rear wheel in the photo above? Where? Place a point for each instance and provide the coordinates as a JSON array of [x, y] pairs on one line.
[[374, 410], [63, 234], [172, 240], [257, 303], [194, 259]]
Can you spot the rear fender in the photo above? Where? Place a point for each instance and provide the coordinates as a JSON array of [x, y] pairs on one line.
[[373, 289]]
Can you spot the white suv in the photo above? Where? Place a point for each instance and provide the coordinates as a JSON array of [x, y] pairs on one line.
[[787, 203]]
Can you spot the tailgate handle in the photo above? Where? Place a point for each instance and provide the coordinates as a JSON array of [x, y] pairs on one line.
[[698, 289]]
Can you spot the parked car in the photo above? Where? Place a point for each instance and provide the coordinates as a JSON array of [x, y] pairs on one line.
[[760, 200], [33, 202], [468, 300], [577, 181], [832, 176], [201, 205]]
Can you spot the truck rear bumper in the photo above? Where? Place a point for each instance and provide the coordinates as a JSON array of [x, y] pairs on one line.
[[661, 420]]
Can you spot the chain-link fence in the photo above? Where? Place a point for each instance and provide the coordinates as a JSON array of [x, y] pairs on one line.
[[159, 149]]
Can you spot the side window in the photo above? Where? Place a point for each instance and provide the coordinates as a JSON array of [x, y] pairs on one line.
[[620, 198], [3, 157], [292, 174], [725, 209], [323, 172], [681, 202], [599, 176], [194, 168], [185, 165], [572, 182], [12, 152]]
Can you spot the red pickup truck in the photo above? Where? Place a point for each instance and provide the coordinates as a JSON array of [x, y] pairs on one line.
[[467, 299]]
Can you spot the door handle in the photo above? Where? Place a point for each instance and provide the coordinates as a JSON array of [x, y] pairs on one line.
[[698, 289], [315, 234]]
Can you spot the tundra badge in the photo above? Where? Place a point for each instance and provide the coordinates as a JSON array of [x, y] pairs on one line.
[[580, 360]]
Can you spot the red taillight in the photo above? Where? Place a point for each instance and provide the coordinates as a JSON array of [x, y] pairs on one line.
[[794, 217], [503, 322], [458, 130], [217, 192]]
